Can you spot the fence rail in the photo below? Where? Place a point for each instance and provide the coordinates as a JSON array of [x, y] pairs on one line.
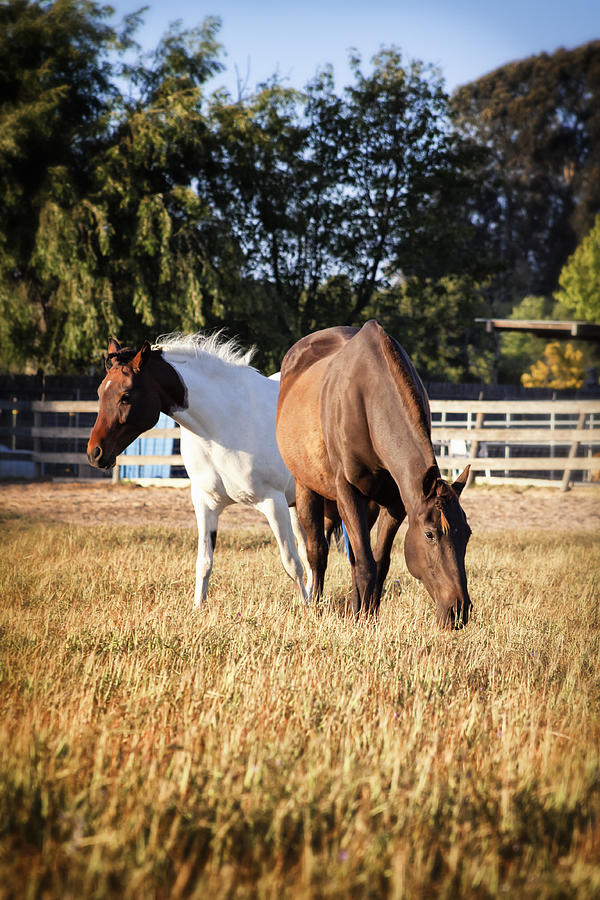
[[558, 438]]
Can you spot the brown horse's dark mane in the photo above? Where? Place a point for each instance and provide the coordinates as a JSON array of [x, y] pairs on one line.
[[406, 381]]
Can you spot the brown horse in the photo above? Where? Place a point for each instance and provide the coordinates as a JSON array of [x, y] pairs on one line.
[[354, 428]]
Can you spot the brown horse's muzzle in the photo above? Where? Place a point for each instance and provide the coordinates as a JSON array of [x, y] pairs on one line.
[[455, 615]]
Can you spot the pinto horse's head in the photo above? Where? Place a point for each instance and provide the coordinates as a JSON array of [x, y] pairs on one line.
[[129, 404], [435, 546]]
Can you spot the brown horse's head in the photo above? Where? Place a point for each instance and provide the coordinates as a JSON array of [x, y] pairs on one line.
[[435, 545], [129, 404]]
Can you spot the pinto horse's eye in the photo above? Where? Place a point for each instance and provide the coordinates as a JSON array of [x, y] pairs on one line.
[[125, 399], [430, 535]]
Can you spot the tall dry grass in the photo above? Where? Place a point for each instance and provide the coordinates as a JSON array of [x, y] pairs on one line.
[[256, 749]]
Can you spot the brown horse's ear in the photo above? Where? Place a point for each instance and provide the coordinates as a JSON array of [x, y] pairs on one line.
[[461, 481], [430, 479], [141, 357]]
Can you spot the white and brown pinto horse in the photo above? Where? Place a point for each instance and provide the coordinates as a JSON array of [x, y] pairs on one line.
[[226, 410], [354, 428]]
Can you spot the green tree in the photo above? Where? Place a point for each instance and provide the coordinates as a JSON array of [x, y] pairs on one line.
[[257, 186], [55, 102], [539, 119], [105, 230], [519, 350], [159, 260], [407, 174], [328, 196], [579, 280], [434, 322]]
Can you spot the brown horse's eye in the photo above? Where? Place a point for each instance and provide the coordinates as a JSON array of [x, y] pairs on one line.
[[125, 399], [430, 535]]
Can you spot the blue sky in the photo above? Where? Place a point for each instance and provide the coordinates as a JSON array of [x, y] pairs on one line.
[[465, 38]]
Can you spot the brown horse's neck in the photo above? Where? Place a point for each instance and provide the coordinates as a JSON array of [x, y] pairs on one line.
[[406, 448], [173, 394], [408, 468]]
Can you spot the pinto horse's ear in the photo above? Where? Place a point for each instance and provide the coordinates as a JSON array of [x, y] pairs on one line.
[[141, 357], [430, 479], [461, 481]]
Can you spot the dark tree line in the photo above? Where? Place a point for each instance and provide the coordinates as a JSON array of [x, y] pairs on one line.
[[137, 197], [539, 118]]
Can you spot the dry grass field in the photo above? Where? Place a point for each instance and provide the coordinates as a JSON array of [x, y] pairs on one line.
[[255, 749]]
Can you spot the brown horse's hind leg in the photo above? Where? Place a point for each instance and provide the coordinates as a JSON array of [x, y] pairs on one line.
[[310, 508], [387, 528], [332, 524]]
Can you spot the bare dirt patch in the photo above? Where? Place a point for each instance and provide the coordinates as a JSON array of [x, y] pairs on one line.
[[488, 508]]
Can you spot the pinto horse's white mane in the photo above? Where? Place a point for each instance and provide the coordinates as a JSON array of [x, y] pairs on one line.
[[226, 349]]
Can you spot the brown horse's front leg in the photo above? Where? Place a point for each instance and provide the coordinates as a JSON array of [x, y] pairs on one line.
[[353, 507], [372, 514], [387, 528], [310, 508]]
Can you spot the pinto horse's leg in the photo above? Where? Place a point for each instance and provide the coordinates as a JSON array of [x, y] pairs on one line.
[[276, 510], [207, 520], [354, 509], [310, 508], [387, 528], [301, 544]]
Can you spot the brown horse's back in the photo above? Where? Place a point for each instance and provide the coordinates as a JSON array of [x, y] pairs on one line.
[[312, 348], [299, 432]]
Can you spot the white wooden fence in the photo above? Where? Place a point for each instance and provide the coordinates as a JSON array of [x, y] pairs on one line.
[[517, 437], [501, 439]]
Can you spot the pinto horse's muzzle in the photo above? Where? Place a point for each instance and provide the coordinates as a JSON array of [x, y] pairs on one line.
[[98, 458]]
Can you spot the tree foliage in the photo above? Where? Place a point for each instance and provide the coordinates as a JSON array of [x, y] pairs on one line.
[[136, 199], [579, 280], [55, 100], [434, 320], [562, 366], [323, 191], [540, 120], [518, 350], [107, 233]]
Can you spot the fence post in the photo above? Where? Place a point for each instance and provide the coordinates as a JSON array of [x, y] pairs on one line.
[[572, 454], [37, 421], [474, 448], [75, 442], [14, 425], [507, 445]]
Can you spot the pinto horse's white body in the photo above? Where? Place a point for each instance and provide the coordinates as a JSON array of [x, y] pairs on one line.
[[229, 448]]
